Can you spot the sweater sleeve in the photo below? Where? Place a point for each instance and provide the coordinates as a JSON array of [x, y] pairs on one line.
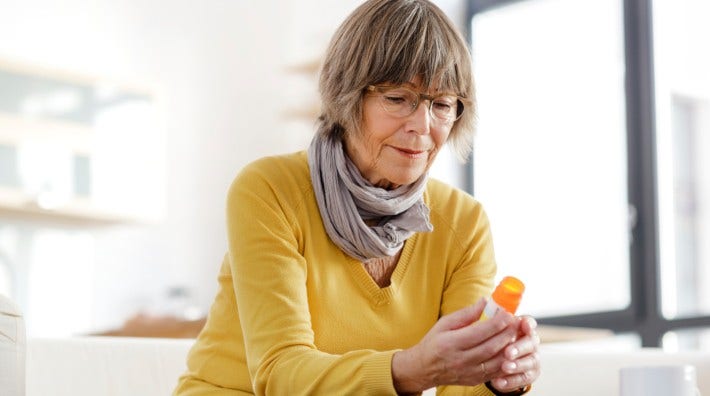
[[471, 278], [270, 283]]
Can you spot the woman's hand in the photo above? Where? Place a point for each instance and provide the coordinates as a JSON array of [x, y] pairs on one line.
[[521, 365], [459, 350]]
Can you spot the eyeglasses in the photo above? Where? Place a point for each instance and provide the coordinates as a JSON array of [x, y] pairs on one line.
[[401, 102]]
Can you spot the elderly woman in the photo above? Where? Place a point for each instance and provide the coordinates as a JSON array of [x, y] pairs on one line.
[[349, 270]]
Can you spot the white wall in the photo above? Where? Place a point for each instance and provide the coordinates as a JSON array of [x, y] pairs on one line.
[[217, 67]]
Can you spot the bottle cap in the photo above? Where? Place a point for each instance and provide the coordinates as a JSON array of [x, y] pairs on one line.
[[508, 293]]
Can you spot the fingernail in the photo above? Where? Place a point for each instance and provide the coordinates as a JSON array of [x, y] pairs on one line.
[[509, 366], [533, 323], [513, 352], [502, 382]]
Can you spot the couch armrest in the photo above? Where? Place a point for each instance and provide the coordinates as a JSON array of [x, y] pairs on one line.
[[118, 366]]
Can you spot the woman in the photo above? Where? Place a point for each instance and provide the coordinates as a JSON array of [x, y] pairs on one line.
[[349, 271]]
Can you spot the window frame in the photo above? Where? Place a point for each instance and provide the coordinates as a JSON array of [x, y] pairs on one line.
[[643, 316]]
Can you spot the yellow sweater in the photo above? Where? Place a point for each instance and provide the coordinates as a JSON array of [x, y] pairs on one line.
[[295, 315]]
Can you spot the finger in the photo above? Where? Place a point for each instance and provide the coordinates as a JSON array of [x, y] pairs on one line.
[[523, 346], [524, 360], [494, 367], [528, 363], [515, 381], [528, 324], [463, 317], [518, 373], [502, 324], [477, 348]]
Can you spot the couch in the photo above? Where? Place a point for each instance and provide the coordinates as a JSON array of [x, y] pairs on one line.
[[126, 366], [12, 348], [104, 366]]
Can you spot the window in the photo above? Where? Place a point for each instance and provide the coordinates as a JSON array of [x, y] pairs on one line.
[[593, 160], [550, 153], [682, 65], [690, 339]]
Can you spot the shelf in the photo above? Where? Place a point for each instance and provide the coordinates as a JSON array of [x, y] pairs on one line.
[[15, 130], [65, 132], [551, 333], [309, 68], [310, 110], [15, 204], [304, 113]]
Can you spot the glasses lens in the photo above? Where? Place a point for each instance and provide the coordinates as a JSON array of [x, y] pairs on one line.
[[445, 108], [400, 101]]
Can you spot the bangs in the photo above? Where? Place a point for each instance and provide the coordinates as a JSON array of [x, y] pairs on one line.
[[418, 47]]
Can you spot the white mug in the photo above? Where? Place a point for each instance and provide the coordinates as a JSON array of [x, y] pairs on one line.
[[671, 380]]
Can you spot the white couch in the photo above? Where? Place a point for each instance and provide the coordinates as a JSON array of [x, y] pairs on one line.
[[104, 366], [120, 366]]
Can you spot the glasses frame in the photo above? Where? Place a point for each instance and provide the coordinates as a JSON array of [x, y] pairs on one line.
[[381, 89]]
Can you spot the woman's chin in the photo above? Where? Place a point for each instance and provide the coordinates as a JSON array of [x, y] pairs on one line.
[[399, 180]]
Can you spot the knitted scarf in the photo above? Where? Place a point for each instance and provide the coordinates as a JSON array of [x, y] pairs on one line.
[[346, 201]]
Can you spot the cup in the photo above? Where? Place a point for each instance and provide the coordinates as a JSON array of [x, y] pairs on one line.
[[670, 380]]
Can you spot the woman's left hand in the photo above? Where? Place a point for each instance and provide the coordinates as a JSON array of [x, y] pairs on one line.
[[521, 364]]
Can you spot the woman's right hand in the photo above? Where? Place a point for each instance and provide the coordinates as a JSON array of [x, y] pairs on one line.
[[458, 350]]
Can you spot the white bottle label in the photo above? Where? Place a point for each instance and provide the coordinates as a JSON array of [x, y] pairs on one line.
[[490, 310]]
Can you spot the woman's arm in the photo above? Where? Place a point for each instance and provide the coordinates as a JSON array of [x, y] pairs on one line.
[[500, 349], [270, 283]]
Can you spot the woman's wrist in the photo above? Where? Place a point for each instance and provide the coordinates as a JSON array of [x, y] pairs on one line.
[[517, 392], [407, 376]]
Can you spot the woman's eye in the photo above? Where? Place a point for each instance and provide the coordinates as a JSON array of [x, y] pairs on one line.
[[394, 99], [442, 105]]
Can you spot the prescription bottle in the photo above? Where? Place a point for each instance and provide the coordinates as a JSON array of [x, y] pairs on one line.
[[506, 296]]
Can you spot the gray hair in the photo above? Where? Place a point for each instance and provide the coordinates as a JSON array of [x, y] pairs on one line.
[[393, 41]]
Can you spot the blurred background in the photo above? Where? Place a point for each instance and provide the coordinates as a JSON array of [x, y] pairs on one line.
[[123, 122]]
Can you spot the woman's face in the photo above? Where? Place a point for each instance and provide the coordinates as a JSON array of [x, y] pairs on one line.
[[390, 150]]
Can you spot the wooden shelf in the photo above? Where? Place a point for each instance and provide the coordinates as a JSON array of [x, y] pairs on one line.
[[550, 333], [15, 204], [304, 113], [311, 109], [75, 137], [60, 129], [309, 68]]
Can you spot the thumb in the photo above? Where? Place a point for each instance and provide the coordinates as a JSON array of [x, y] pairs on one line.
[[463, 317]]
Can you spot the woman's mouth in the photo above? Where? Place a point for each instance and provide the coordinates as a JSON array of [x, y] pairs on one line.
[[411, 153]]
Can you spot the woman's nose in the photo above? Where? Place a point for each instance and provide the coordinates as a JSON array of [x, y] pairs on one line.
[[420, 119]]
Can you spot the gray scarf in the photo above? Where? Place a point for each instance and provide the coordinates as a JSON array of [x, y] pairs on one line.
[[346, 200]]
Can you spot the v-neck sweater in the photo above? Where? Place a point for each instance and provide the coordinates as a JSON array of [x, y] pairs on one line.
[[295, 315]]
